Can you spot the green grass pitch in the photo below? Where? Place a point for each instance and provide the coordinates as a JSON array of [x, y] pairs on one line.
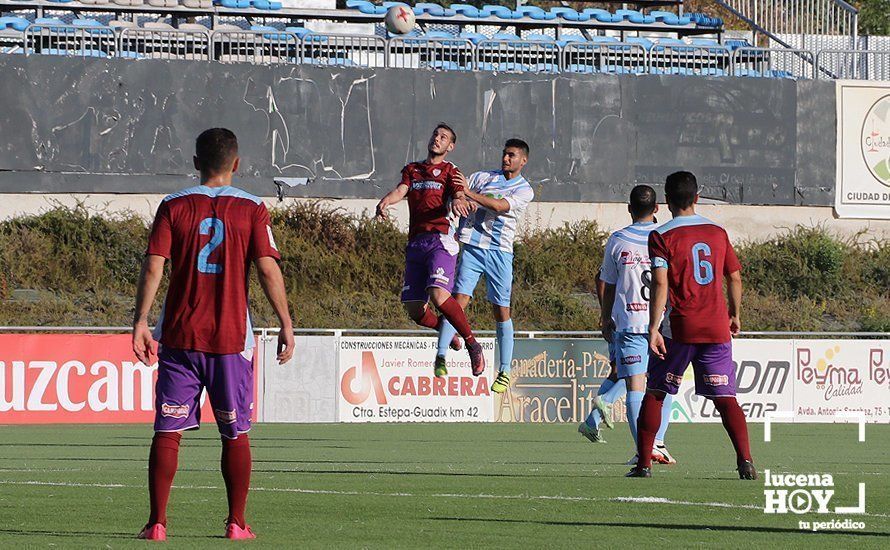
[[423, 485]]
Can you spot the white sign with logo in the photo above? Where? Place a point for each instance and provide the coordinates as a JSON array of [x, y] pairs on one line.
[[863, 150], [764, 381], [390, 379], [836, 379]]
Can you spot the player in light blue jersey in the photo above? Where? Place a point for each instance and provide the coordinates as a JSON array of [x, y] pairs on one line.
[[487, 236], [626, 273]]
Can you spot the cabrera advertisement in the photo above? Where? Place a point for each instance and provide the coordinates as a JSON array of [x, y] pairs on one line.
[[390, 379]]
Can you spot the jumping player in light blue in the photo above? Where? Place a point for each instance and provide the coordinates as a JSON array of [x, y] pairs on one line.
[[626, 276], [487, 235]]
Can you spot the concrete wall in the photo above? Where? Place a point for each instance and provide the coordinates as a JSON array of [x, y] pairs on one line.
[[741, 221], [118, 126]]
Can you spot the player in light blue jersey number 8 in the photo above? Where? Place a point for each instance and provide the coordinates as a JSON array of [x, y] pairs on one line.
[[626, 274], [487, 235]]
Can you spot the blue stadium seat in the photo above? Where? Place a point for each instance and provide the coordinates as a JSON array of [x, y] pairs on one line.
[[538, 37], [85, 23], [433, 9], [569, 14], [703, 20], [634, 16], [505, 36], [473, 37], [501, 12], [266, 5], [14, 22], [534, 12], [570, 39], [270, 35], [669, 18], [644, 42], [709, 42], [233, 4], [603, 16], [47, 21], [736, 44], [466, 10], [603, 40], [363, 6]]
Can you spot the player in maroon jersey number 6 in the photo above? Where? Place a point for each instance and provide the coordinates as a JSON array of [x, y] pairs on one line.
[[210, 233], [690, 256], [431, 254]]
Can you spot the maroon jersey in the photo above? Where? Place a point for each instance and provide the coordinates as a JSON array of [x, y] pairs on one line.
[[697, 254], [210, 234], [430, 187]]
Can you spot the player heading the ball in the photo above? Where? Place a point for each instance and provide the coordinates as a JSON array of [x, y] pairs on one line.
[[431, 255]]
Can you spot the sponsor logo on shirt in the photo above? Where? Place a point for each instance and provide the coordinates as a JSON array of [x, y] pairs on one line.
[[674, 379], [225, 417], [637, 306], [716, 379], [632, 258], [174, 411], [631, 359], [426, 185]]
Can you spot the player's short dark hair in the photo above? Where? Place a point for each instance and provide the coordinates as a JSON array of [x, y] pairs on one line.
[[642, 201], [216, 148], [680, 189], [518, 144], [444, 126]]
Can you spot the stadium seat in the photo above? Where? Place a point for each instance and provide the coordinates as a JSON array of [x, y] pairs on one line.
[[466, 10], [40, 22], [265, 5], [569, 14], [736, 44], [567, 39], [669, 18], [85, 23], [118, 24], [233, 4], [639, 41], [193, 27], [533, 12], [157, 26], [501, 12], [299, 31], [602, 16], [703, 20], [270, 35], [432, 9], [538, 37], [473, 37], [603, 40], [633, 16], [197, 4], [14, 22]]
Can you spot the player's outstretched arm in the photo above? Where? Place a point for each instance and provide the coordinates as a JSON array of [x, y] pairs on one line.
[[272, 282], [734, 293], [390, 199], [146, 290], [657, 302]]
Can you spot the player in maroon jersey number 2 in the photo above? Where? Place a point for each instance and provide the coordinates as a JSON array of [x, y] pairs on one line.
[[210, 233], [690, 257], [431, 254]]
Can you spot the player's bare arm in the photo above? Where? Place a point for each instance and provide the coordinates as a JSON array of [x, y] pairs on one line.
[[734, 293], [460, 206], [272, 281], [149, 280], [391, 198], [657, 303], [607, 325]]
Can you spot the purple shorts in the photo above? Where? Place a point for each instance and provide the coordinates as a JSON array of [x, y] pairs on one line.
[[183, 374], [430, 260], [712, 364]]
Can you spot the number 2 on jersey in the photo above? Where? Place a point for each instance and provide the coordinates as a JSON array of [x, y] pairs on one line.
[[704, 270], [214, 227]]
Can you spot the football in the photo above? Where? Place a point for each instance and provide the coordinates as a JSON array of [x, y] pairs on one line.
[[399, 20]]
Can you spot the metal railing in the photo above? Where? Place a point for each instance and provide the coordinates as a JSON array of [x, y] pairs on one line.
[[518, 56], [261, 47], [344, 50], [777, 17], [620, 58], [692, 59], [773, 63], [137, 43], [69, 40], [854, 64], [452, 54], [270, 46]]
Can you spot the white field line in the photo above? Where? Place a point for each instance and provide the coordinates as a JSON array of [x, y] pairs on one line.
[[635, 500]]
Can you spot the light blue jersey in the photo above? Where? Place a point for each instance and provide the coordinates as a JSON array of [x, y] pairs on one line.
[[491, 230]]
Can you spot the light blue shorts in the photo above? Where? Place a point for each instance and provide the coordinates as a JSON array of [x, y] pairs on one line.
[[632, 353], [612, 351], [496, 265]]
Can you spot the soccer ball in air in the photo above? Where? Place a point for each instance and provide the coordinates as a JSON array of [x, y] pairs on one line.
[[399, 20]]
